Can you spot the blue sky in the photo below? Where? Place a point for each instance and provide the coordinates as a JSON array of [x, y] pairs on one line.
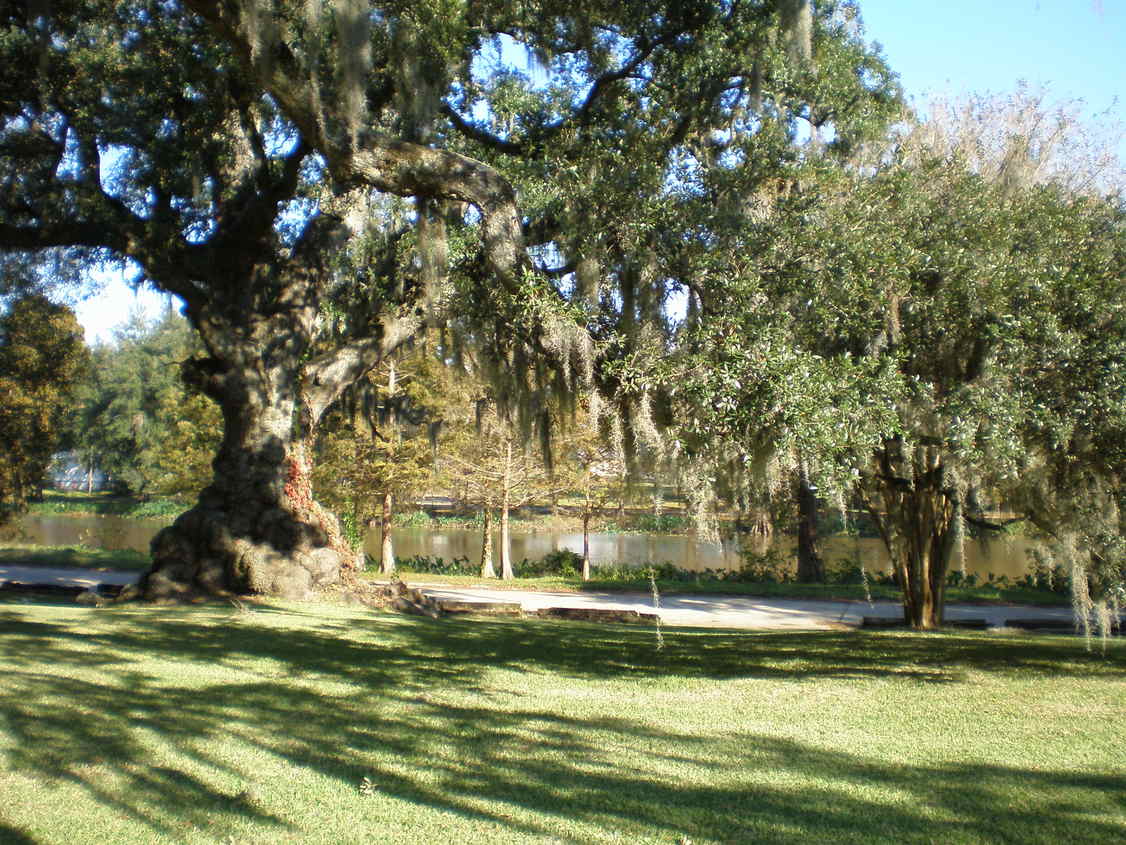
[[1074, 48]]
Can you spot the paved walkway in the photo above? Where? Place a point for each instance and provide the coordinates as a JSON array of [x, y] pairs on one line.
[[688, 610], [706, 611], [65, 577]]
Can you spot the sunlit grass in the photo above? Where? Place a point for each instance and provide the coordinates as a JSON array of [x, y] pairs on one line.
[[20, 554], [315, 723], [71, 503]]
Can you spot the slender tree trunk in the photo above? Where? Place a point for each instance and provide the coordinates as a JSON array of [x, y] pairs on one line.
[[487, 570], [505, 551], [386, 549], [586, 544], [256, 528], [811, 568]]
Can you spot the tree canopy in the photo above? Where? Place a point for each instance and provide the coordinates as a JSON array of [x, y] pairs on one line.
[[249, 157]]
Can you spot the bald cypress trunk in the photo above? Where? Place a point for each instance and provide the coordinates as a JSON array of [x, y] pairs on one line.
[[506, 571], [586, 545], [386, 547], [487, 569]]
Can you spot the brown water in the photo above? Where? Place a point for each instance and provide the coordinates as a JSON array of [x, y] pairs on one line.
[[99, 532], [1001, 557], [1007, 556]]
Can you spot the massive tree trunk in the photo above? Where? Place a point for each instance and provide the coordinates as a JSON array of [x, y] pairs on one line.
[[917, 519], [256, 528]]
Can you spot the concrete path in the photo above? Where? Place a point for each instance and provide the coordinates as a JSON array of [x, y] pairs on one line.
[[746, 612], [683, 610], [64, 577]]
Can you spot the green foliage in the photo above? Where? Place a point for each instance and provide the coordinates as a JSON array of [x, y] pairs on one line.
[[81, 504], [138, 421], [426, 565], [353, 530], [42, 357], [665, 523], [768, 567], [561, 562], [412, 519]]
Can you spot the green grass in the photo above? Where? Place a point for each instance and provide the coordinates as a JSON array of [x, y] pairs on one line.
[[217, 724], [19, 554], [63, 503]]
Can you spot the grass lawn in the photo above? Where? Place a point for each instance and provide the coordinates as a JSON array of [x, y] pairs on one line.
[[22, 554], [317, 723]]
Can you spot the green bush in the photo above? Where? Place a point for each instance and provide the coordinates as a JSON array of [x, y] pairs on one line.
[[849, 570], [1046, 575], [412, 519], [427, 565], [156, 509], [665, 523], [561, 562], [768, 566]]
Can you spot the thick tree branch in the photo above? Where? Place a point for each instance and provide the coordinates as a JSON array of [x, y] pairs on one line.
[[394, 166], [328, 375], [533, 144]]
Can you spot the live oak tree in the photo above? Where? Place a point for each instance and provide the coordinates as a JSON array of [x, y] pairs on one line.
[[977, 296], [128, 133], [232, 151]]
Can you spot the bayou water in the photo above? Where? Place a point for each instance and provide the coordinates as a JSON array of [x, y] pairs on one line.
[[1006, 556]]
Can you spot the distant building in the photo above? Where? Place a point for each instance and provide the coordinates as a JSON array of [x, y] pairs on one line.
[[67, 473]]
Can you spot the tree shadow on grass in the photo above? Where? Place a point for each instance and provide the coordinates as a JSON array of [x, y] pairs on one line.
[[375, 649], [399, 717], [14, 836]]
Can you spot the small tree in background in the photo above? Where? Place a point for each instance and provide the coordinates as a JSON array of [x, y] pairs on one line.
[[587, 466], [488, 462], [359, 474], [42, 358], [377, 448], [139, 422]]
